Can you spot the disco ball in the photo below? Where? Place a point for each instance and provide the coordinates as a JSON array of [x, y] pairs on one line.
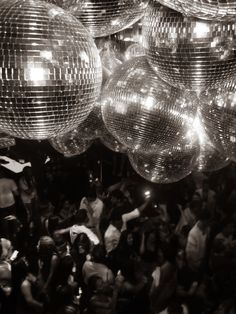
[[70, 144], [93, 127], [50, 72], [112, 143], [105, 17], [204, 9], [187, 52], [169, 165], [143, 112], [6, 141], [209, 158], [218, 109]]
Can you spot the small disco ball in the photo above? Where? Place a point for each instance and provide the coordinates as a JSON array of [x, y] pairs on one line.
[[70, 144], [209, 158], [204, 9], [112, 143], [187, 52], [50, 72], [6, 141], [218, 110], [169, 165], [143, 112], [92, 127], [104, 17]]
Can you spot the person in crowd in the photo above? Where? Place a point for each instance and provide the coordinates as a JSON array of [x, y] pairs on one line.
[[164, 281], [48, 263], [208, 196], [96, 266], [189, 215], [94, 207], [80, 226], [8, 198], [7, 305], [28, 192], [119, 224], [196, 247]]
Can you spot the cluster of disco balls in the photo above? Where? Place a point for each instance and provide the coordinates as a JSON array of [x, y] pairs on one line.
[[163, 90]]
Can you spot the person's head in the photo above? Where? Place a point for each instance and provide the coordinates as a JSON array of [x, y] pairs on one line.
[[133, 225], [6, 249], [91, 194], [27, 171], [5, 279], [53, 223], [94, 283], [46, 246], [196, 204], [98, 254], [82, 244], [228, 229], [204, 221], [126, 240], [81, 217], [116, 198]]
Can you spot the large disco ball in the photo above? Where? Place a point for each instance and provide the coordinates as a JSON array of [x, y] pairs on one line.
[[112, 143], [142, 111], [169, 165], [92, 127], [188, 52], [50, 72], [204, 9], [218, 109], [105, 17], [70, 144], [6, 141], [209, 158]]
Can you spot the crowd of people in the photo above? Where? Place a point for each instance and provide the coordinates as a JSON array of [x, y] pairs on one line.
[[118, 250]]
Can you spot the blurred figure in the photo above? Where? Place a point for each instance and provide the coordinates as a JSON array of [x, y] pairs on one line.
[[8, 196]]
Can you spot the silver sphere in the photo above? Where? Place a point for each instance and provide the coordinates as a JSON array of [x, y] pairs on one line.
[[209, 158], [187, 52], [6, 141], [143, 112], [105, 17], [92, 127], [204, 9], [167, 166], [50, 72], [218, 109], [112, 143], [70, 144]]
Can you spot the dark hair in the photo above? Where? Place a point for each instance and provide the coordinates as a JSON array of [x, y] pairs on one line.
[[117, 194], [81, 216], [91, 192], [82, 239], [98, 254]]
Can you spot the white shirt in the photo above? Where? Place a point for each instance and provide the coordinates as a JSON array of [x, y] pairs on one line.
[[75, 230], [7, 189], [196, 247], [111, 238], [112, 234], [97, 207]]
